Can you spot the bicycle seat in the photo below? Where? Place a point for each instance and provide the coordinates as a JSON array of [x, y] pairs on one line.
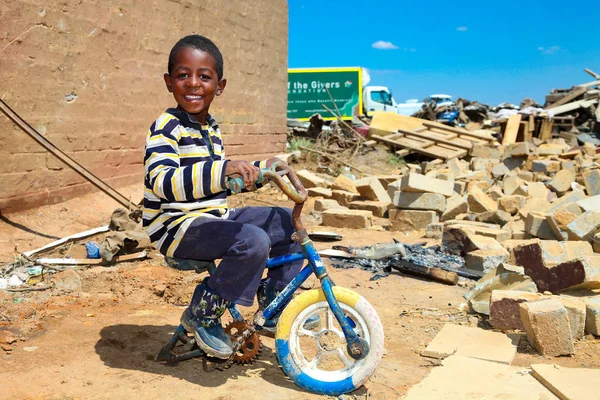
[[184, 264]]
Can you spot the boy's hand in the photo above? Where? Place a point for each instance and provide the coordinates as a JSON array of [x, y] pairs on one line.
[[247, 171]]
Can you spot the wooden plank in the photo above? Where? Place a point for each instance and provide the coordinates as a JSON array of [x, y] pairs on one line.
[[568, 98], [457, 131], [528, 136], [589, 84], [574, 105], [417, 149], [546, 130], [592, 73], [512, 129], [436, 140], [403, 153]]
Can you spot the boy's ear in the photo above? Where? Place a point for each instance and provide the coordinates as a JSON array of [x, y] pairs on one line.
[[167, 78], [221, 86]]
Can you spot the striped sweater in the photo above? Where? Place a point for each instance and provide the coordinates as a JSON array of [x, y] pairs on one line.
[[184, 177]]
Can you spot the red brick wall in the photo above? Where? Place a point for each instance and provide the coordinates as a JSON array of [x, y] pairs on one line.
[[111, 56]]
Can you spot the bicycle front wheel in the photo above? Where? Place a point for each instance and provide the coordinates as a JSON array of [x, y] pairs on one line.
[[316, 359]]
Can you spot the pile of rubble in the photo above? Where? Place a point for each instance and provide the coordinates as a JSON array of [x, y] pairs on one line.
[[572, 112], [527, 215]]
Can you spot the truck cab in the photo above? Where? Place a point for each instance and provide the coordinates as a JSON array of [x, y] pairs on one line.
[[378, 98]]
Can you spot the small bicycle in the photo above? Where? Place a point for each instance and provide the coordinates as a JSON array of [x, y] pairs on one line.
[[337, 356]]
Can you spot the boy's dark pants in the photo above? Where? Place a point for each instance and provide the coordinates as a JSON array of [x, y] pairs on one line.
[[242, 242]]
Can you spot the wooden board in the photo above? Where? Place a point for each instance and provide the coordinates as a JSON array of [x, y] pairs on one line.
[[512, 129], [568, 98], [418, 145], [546, 129]]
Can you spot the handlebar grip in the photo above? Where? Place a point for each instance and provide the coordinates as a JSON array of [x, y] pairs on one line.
[[236, 185]]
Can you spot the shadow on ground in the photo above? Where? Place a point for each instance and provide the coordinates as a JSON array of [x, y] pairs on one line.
[[133, 347]]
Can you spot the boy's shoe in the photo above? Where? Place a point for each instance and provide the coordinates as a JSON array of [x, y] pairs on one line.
[[265, 295], [202, 318]]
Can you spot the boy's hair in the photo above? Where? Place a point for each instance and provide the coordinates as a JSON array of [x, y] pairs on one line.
[[200, 43]]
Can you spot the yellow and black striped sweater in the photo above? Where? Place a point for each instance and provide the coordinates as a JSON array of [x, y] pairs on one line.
[[184, 177]]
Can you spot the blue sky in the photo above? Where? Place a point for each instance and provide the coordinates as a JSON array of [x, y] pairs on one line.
[[486, 51]]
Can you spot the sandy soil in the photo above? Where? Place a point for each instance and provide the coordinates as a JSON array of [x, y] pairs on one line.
[[99, 341]]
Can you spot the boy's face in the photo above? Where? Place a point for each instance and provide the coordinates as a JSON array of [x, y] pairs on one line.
[[194, 82]]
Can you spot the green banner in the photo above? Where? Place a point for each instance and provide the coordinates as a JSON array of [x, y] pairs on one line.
[[307, 92]]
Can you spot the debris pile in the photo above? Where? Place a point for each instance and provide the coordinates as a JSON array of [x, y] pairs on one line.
[[524, 215]]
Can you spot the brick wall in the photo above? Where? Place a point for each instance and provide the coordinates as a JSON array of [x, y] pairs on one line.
[[88, 76]]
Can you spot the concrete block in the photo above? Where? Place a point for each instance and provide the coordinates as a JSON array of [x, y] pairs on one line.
[[326, 204], [519, 149], [342, 182], [494, 217], [569, 166], [525, 175], [499, 170], [421, 183], [513, 163], [591, 179], [583, 272], [461, 239], [546, 323], [545, 166], [561, 183], [592, 316], [319, 192], [590, 203], [393, 188], [505, 313], [512, 204], [455, 205], [538, 190], [310, 180], [469, 378], [481, 164], [566, 383], [512, 245], [460, 187], [472, 342], [483, 184], [371, 189], [482, 151], [566, 214], [378, 208], [352, 219], [550, 149], [585, 226], [485, 260], [536, 225], [343, 197], [516, 229], [495, 192], [420, 201], [535, 204], [386, 180], [480, 202], [411, 220], [570, 197], [576, 311], [510, 184], [434, 231]]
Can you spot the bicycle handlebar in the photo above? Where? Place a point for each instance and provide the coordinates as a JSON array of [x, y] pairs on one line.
[[293, 189]]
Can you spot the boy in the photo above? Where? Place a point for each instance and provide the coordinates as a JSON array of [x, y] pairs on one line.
[[185, 200]]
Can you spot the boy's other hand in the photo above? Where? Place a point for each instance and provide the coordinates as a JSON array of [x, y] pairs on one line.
[[247, 171]]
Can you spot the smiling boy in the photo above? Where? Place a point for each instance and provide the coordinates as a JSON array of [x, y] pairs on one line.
[[185, 200]]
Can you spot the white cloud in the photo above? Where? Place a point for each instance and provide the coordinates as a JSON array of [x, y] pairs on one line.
[[462, 29], [550, 50], [383, 45]]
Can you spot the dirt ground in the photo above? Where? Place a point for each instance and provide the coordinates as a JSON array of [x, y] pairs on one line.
[[99, 341]]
